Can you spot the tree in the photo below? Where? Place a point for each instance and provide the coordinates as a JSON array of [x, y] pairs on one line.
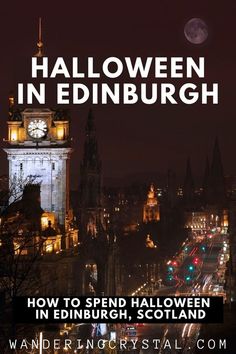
[[21, 247]]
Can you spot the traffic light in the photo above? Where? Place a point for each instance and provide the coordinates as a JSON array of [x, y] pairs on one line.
[[203, 248], [170, 269], [169, 277], [196, 261], [188, 278], [190, 267]]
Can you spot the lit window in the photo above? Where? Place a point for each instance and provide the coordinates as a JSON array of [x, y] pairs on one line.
[[14, 135], [60, 133]]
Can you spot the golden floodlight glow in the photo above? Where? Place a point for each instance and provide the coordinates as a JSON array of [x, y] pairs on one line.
[[14, 135], [47, 217], [49, 246], [44, 222], [60, 133]]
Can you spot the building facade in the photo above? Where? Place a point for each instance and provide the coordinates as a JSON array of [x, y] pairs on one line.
[[39, 150]]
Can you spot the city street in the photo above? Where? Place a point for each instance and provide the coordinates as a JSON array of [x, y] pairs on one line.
[[207, 280]]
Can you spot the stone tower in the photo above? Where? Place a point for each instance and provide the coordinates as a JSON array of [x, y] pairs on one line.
[[188, 190], [216, 192], [91, 211], [38, 149]]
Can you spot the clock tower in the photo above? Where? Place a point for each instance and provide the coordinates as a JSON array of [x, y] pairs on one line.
[[39, 149]]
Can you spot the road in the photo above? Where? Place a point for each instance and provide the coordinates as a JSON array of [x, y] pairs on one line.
[[207, 279]]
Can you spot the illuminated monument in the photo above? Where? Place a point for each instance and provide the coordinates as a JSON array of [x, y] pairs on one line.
[[151, 210], [39, 146], [91, 195]]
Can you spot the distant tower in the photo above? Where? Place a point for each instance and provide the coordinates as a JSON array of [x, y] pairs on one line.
[[151, 209], [217, 182], [39, 148], [91, 212], [188, 190], [206, 181]]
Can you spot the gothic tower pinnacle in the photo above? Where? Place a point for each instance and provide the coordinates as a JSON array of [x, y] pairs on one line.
[[206, 181], [90, 183], [217, 182], [39, 53], [188, 189]]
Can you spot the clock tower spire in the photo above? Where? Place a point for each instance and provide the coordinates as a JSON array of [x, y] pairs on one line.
[[39, 53]]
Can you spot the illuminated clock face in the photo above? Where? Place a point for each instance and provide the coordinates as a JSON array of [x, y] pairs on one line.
[[37, 128]]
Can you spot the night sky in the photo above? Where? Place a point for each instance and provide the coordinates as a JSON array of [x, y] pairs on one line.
[[136, 141]]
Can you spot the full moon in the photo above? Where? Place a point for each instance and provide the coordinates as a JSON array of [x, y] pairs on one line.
[[196, 31]]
